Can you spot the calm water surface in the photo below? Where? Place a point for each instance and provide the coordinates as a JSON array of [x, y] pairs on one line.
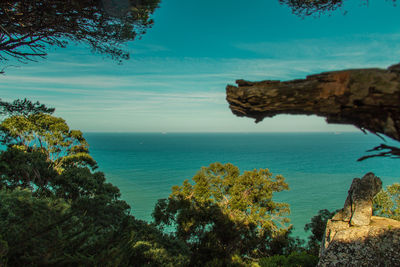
[[319, 167]]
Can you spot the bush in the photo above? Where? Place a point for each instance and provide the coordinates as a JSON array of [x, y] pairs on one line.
[[295, 259]]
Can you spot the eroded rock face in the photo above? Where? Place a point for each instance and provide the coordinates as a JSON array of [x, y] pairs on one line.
[[357, 210], [376, 244], [353, 237], [367, 98]]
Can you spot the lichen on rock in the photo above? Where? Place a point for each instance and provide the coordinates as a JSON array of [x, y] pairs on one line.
[[357, 208], [376, 244], [366, 98], [353, 237]]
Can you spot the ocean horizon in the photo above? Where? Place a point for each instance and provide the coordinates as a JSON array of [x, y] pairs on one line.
[[318, 166]]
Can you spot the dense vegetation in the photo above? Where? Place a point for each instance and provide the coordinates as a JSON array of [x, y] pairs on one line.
[[28, 28], [387, 202], [227, 215], [317, 7], [56, 209]]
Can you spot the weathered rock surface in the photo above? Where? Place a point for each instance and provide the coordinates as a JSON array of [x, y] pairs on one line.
[[353, 237], [357, 208], [366, 98], [376, 244]]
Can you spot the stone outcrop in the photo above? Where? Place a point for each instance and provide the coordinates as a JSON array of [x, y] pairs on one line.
[[376, 244], [367, 98], [353, 237], [357, 210]]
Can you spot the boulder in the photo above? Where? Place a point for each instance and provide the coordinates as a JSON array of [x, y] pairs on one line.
[[376, 244], [357, 208], [353, 237]]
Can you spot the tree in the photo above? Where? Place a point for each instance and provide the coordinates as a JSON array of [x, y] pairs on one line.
[[50, 232], [387, 202], [28, 226], [23, 107], [27, 28], [44, 155], [225, 213], [307, 8], [294, 259], [315, 7], [49, 135], [55, 210], [317, 227]]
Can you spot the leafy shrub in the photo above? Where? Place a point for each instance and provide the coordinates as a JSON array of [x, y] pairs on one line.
[[295, 259]]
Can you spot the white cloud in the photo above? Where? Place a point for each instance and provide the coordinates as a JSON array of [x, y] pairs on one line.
[[169, 92], [368, 49]]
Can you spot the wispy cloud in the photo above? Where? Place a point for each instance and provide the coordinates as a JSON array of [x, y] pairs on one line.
[[154, 93], [139, 48], [368, 48]]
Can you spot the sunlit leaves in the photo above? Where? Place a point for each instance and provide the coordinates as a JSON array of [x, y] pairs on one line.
[[226, 213], [49, 134], [387, 202], [55, 210]]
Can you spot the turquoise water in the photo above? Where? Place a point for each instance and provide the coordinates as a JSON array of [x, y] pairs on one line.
[[319, 167]]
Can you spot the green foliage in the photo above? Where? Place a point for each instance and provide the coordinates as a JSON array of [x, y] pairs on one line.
[[49, 135], [23, 107], [29, 27], [295, 259], [90, 232], [29, 225], [315, 7], [317, 227], [305, 8], [144, 245], [26, 170], [55, 210], [225, 213], [387, 202]]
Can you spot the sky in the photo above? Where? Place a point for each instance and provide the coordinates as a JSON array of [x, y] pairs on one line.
[[176, 77]]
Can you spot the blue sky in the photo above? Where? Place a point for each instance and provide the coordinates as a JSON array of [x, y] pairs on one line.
[[176, 77]]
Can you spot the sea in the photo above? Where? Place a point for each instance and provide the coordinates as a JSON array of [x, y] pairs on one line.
[[319, 167]]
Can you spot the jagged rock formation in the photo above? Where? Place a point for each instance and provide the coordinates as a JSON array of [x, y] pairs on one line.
[[377, 244], [353, 237], [366, 98], [357, 210]]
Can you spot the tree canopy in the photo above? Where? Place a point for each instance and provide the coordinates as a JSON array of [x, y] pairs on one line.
[[64, 212], [27, 28], [387, 202], [226, 213], [48, 134], [316, 7], [23, 107], [57, 210]]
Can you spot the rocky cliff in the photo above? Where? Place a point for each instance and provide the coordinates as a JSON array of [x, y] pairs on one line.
[[353, 237], [376, 244]]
